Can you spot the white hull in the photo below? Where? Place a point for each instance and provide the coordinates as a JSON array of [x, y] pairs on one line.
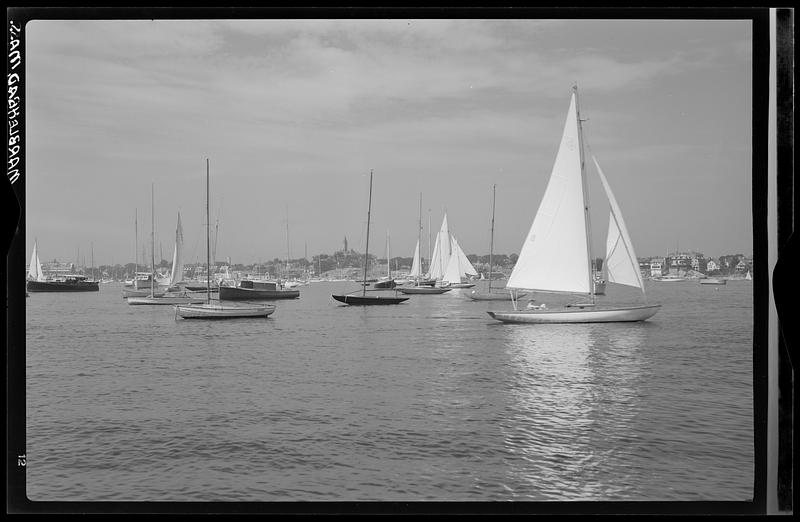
[[578, 315], [217, 311], [131, 292], [669, 279]]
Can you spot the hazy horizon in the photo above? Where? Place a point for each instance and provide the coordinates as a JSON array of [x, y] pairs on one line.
[[293, 115]]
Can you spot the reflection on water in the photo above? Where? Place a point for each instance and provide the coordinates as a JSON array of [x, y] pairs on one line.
[[575, 393]]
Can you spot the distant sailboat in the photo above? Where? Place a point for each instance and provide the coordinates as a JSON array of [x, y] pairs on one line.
[[458, 267], [37, 282], [748, 276], [556, 256], [449, 265], [421, 283], [164, 298], [35, 270], [209, 310], [489, 295], [364, 299], [388, 281]]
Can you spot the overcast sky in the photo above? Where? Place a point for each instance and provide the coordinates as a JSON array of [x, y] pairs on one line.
[[293, 114]]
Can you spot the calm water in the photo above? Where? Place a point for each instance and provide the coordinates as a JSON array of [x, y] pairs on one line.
[[429, 400]]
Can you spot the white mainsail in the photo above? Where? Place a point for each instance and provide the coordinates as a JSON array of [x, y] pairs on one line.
[[441, 252], [416, 269], [459, 267], [177, 259], [452, 273], [555, 254], [621, 265], [35, 268], [466, 266]]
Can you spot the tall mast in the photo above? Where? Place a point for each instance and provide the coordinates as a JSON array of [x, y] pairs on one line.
[[366, 248], [152, 241], [136, 227], [587, 221], [419, 231], [208, 242], [429, 242], [388, 265], [288, 253], [92, 246], [491, 240]]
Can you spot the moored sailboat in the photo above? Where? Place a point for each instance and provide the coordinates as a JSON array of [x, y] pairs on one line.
[[364, 299], [38, 282], [475, 295], [556, 256], [209, 310]]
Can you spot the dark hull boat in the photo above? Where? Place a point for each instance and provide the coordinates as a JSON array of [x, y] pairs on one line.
[[256, 290], [369, 300], [364, 299], [69, 284]]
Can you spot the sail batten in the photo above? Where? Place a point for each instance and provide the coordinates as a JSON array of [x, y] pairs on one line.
[[555, 252]]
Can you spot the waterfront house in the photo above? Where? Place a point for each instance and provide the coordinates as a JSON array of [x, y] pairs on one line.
[[657, 267]]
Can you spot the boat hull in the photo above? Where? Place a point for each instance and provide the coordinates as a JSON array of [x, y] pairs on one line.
[[460, 285], [216, 311], [132, 292], [368, 300], [63, 286], [385, 284], [712, 281], [227, 293], [424, 290], [578, 315]]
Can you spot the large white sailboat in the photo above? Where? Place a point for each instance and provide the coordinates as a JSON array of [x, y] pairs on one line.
[[556, 256]]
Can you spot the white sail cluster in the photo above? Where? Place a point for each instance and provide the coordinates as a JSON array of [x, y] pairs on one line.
[[449, 264]]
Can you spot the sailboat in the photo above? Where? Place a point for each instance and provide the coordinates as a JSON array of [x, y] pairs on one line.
[[748, 277], [209, 310], [416, 274], [458, 267], [35, 269], [364, 299], [556, 256], [37, 282], [489, 295], [164, 298], [449, 265], [438, 264], [388, 281]]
